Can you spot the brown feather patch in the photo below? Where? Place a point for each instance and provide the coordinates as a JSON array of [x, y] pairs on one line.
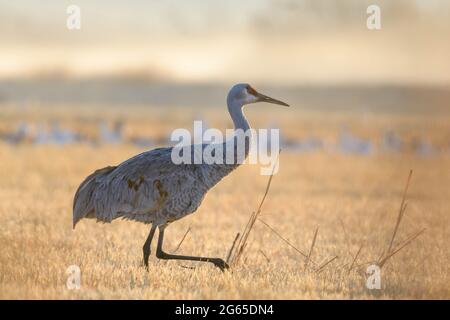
[[251, 90]]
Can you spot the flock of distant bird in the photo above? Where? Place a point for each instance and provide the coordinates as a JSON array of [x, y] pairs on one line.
[[346, 143]]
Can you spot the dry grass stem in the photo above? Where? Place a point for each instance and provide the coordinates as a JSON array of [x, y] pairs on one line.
[[182, 239], [401, 246], [355, 258], [386, 255], [249, 226], [285, 240], [264, 255], [230, 252], [401, 211], [311, 249], [322, 267]]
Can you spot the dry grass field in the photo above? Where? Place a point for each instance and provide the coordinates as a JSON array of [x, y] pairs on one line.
[[353, 200]]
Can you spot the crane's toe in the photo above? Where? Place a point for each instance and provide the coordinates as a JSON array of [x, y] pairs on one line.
[[220, 263], [145, 259], [145, 265]]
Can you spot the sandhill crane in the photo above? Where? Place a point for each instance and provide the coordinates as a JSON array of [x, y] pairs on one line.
[[308, 144], [54, 135], [22, 133], [113, 136], [348, 144], [391, 142], [152, 189]]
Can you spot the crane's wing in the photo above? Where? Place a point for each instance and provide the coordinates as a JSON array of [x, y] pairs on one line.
[[83, 205], [139, 188]]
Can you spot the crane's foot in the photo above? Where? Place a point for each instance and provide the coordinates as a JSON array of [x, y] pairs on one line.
[[220, 263], [145, 260]]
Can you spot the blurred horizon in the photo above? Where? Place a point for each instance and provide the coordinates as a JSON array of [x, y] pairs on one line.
[[272, 43]]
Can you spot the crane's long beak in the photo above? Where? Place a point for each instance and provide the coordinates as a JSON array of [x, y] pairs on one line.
[[264, 98]]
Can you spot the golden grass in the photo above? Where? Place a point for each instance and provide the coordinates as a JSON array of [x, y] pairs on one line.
[[321, 189]]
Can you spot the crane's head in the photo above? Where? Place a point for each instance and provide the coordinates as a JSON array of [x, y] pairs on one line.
[[243, 93]]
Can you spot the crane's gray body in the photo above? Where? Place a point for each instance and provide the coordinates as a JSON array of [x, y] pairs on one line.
[[148, 188], [151, 188]]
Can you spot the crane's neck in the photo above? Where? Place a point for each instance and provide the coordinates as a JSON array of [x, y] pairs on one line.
[[240, 141], [212, 174], [236, 113], [242, 133]]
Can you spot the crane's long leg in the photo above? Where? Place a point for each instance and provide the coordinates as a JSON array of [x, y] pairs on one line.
[[220, 263], [146, 247]]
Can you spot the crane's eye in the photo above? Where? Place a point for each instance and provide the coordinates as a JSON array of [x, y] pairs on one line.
[[251, 90]]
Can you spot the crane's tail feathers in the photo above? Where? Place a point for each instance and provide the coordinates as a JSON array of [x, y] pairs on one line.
[[83, 204]]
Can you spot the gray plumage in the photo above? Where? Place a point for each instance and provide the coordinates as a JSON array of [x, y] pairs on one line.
[[148, 188]]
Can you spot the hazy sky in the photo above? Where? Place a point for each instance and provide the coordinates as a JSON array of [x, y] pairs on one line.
[[265, 41]]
